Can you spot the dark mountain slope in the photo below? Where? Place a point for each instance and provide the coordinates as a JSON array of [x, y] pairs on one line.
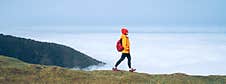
[[43, 53]]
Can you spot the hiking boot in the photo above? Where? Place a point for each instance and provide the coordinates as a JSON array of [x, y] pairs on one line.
[[132, 70], [115, 69]]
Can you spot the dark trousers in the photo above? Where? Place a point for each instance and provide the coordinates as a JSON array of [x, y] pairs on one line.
[[124, 55]]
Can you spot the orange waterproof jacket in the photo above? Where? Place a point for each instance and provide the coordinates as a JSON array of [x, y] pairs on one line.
[[125, 43]]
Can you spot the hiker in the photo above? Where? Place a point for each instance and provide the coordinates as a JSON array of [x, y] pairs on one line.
[[125, 50]]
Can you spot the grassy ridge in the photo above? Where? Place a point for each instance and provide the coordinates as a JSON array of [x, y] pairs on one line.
[[13, 71]]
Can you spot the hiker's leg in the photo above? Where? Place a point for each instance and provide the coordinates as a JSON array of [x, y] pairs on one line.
[[120, 60], [129, 60]]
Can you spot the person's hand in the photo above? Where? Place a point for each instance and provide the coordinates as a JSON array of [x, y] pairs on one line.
[[127, 49]]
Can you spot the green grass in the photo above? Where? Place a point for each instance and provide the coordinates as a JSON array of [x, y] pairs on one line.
[[13, 71]]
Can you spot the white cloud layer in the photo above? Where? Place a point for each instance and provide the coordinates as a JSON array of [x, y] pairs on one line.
[[191, 53]]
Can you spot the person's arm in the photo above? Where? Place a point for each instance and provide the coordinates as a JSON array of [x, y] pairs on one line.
[[124, 43]]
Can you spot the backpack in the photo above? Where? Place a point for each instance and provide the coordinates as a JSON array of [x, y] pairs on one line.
[[119, 45]]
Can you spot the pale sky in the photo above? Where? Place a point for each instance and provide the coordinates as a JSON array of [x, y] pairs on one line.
[[112, 12]]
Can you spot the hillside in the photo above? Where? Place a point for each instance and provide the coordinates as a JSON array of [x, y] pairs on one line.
[[44, 53], [14, 71]]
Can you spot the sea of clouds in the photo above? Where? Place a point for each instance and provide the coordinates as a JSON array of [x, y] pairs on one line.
[[158, 53]]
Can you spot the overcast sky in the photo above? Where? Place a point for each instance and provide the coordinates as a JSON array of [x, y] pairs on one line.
[[112, 12]]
